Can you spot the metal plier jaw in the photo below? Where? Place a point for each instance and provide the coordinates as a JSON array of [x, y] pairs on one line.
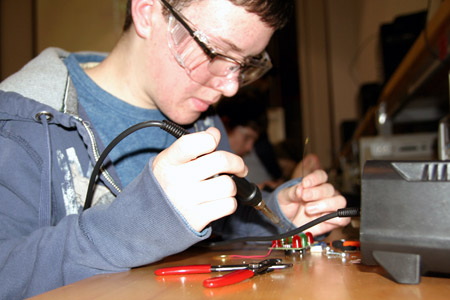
[[253, 269], [265, 266]]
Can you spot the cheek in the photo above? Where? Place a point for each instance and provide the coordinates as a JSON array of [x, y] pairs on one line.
[[170, 87], [249, 144], [166, 71], [234, 141]]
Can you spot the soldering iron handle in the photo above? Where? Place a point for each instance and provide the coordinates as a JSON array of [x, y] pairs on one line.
[[247, 192]]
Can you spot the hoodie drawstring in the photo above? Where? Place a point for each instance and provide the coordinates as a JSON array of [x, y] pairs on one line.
[[45, 201]]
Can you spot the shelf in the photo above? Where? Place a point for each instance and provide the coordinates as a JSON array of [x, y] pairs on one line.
[[416, 71]]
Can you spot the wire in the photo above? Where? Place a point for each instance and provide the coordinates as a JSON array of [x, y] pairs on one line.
[[303, 158], [172, 128], [341, 213], [178, 131], [252, 256]]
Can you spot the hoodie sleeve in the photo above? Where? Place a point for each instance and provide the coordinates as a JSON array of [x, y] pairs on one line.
[[102, 239]]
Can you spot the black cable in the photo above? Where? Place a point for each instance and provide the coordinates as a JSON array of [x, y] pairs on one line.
[[341, 213], [172, 128], [178, 131]]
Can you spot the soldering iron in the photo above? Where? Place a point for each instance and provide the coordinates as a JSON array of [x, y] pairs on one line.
[[247, 193]]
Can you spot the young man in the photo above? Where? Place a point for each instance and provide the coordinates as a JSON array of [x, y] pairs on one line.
[[60, 111]]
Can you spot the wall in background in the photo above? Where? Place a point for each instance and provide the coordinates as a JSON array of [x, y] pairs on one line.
[[339, 50], [79, 25], [30, 26], [16, 35]]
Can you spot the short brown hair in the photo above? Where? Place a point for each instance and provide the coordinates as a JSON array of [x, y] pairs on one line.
[[275, 13]]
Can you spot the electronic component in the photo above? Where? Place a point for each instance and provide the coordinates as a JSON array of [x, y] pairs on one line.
[[293, 244]]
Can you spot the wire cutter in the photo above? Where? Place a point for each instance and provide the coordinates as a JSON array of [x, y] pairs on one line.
[[239, 272]]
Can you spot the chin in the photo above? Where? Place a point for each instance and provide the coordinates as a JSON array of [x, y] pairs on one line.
[[185, 120]]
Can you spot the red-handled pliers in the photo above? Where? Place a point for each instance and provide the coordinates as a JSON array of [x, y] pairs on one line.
[[240, 272]]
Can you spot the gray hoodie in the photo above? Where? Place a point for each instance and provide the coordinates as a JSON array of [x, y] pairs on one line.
[[48, 149]]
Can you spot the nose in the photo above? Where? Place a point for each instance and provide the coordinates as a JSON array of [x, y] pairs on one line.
[[227, 86]]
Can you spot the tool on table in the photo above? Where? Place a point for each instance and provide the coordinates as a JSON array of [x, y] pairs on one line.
[[239, 272]]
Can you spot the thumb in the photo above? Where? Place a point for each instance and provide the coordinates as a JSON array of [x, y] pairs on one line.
[[190, 146]]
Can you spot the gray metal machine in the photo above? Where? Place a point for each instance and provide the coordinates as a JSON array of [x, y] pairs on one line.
[[405, 218]]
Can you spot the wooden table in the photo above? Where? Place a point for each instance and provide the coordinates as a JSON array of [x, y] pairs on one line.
[[313, 276]]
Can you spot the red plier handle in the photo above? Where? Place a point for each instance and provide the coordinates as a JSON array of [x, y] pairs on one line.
[[192, 269], [230, 278]]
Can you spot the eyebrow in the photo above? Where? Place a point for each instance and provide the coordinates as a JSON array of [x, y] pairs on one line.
[[233, 46], [182, 18]]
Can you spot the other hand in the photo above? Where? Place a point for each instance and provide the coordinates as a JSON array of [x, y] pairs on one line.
[[310, 199]]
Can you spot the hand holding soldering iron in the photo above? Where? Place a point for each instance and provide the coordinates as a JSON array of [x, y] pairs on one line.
[[187, 173]]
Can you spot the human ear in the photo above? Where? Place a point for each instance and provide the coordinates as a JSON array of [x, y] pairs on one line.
[[142, 10]]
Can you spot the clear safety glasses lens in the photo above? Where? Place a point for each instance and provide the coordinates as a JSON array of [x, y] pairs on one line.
[[200, 67]]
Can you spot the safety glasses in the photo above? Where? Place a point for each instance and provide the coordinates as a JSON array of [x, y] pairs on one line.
[[204, 61]]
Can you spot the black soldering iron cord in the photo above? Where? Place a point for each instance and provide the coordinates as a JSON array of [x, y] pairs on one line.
[[341, 213], [178, 131], [172, 128]]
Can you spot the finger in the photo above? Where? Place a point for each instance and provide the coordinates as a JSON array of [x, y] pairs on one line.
[[219, 187], [315, 178], [191, 146], [214, 163], [218, 209], [215, 133], [325, 205], [318, 192], [339, 222], [290, 194], [192, 194], [312, 162], [211, 211]]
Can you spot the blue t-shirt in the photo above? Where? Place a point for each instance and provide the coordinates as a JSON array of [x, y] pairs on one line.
[[110, 116]]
